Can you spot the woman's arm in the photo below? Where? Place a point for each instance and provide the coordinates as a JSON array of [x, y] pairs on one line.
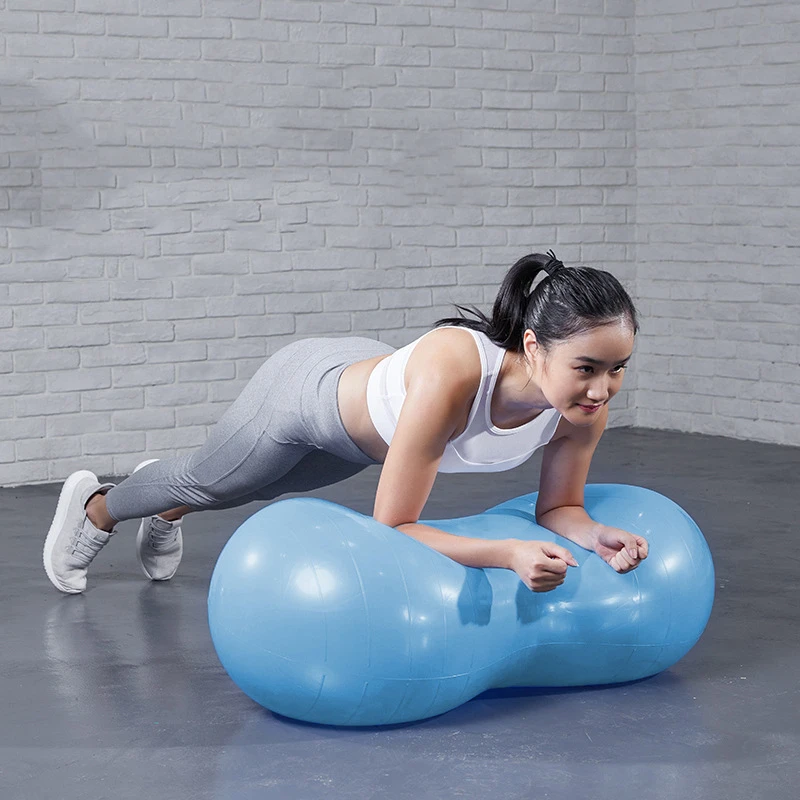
[[559, 506], [430, 415], [431, 412]]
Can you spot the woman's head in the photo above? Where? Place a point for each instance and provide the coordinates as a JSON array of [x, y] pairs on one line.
[[573, 300], [577, 308]]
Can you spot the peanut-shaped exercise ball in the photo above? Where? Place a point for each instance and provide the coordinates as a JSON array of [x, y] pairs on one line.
[[322, 614]]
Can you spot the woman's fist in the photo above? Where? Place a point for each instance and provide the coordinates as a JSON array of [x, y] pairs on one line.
[[541, 566], [622, 550]]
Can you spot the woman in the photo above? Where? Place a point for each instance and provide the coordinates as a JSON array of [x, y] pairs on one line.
[[468, 396]]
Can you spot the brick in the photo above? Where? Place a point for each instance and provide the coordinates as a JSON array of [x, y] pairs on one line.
[[77, 424], [176, 396], [111, 312], [20, 474], [266, 325], [116, 355], [45, 315], [207, 414], [114, 442], [146, 375], [77, 292], [234, 306], [145, 420], [45, 360], [45, 405], [323, 323], [237, 349], [295, 303], [203, 286], [136, 332], [203, 28], [79, 380], [176, 439], [175, 309], [21, 339], [206, 371], [350, 301], [377, 320], [189, 191], [212, 328], [104, 7], [22, 429], [175, 352], [405, 298], [52, 447]]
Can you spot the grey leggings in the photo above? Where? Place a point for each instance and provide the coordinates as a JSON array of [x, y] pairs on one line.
[[282, 434]]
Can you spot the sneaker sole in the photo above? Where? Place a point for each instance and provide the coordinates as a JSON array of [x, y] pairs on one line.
[[58, 523], [140, 532]]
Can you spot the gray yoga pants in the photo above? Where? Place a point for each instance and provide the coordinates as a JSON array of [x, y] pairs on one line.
[[283, 434]]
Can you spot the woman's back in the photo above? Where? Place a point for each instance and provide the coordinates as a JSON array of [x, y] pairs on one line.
[[466, 364], [445, 352], [479, 444]]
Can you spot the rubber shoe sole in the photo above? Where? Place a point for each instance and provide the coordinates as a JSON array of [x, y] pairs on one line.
[[58, 523]]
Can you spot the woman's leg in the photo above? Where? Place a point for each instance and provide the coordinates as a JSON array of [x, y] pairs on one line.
[[287, 411], [239, 457], [313, 471], [97, 512]]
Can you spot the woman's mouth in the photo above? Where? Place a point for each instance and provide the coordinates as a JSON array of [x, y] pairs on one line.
[[590, 409]]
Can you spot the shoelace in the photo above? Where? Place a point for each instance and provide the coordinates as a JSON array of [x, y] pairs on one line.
[[84, 546], [158, 539]]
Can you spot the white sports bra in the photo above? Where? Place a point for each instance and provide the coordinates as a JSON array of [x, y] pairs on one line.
[[482, 447]]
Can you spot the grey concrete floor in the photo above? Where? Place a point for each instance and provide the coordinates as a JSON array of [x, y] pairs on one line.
[[117, 693]]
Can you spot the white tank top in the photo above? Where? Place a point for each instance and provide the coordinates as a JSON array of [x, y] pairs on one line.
[[482, 447]]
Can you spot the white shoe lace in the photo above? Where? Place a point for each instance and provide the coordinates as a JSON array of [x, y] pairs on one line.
[[84, 546], [161, 540]]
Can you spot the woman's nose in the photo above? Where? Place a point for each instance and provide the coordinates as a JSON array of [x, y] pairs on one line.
[[598, 392]]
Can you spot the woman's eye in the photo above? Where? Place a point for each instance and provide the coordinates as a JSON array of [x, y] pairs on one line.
[[616, 369]]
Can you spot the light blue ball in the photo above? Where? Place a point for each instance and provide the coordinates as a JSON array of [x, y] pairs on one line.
[[323, 614]]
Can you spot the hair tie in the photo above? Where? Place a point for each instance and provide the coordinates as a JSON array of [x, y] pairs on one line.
[[553, 265]]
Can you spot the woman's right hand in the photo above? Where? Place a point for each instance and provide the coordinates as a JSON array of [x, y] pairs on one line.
[[541, 566]]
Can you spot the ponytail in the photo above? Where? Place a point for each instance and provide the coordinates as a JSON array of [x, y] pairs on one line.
[[569, 301]]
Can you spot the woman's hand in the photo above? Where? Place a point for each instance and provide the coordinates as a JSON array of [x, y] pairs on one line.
[[542, 566], [622, 550]]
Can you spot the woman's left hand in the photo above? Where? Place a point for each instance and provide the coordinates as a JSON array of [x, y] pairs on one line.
[[622, 550]]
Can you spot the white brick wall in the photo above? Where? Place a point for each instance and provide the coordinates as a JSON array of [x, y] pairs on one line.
[[187, 186], [717, 217]]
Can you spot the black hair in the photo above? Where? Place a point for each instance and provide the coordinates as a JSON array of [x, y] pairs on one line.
[[569, 301]]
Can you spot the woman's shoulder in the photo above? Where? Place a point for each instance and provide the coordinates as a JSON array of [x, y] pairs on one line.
[[445, 353]]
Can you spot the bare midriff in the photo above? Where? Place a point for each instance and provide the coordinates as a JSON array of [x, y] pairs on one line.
[[352, 398]]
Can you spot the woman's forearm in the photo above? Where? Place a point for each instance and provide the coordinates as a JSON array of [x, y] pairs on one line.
[[469, 551], [573, 523]]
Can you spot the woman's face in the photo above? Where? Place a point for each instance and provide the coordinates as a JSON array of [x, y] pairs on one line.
[[584, 371]]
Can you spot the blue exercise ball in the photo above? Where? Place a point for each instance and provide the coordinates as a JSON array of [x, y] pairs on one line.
[[322, 614]]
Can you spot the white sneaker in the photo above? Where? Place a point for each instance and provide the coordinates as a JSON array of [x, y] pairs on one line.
[[159, 544], [72, 541]]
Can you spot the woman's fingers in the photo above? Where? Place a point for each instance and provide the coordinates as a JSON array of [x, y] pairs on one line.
[[625, 558], [555, 551]]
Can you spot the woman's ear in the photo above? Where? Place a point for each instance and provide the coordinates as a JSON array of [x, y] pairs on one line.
[[530, 346]]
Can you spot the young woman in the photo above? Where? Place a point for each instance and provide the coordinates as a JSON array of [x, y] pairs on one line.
[[471, 395]]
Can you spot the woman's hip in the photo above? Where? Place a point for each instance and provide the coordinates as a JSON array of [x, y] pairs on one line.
[[296, 393]]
